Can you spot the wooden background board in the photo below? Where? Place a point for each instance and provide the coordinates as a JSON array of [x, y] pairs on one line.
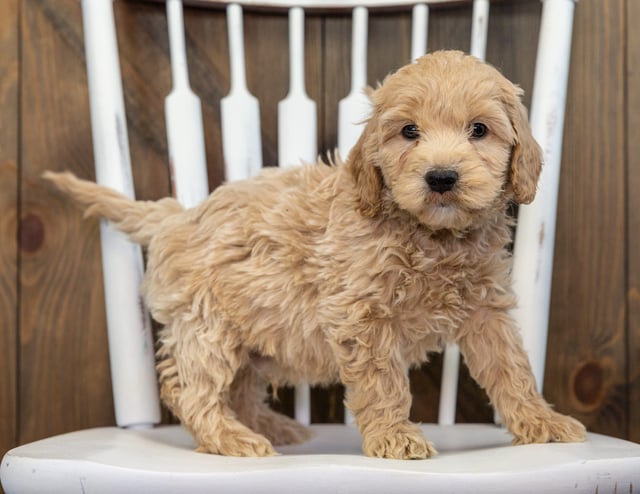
[[9, 152], [55, 370], [587, 336], [632, 180], [63, 373]]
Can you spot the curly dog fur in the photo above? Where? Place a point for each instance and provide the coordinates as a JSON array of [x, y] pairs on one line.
[[350, 272]]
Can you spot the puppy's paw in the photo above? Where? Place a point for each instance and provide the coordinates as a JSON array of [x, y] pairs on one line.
[[403, 442], [554, 427], [238, 443]]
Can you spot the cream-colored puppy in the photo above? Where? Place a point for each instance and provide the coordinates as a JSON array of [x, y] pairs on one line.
[[352, 272]]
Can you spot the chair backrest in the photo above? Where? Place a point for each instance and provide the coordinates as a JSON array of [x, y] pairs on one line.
[[130, 340]]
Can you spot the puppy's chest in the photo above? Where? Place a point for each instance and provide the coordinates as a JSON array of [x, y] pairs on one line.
[[442, 296], [446, 282], [439, 290]]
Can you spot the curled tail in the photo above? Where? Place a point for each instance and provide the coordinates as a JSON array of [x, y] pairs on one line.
[[138, 219]]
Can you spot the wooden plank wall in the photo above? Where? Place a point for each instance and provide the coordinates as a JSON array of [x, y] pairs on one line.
[[55, 371], [632, 148], [9, 152], [588, 372]]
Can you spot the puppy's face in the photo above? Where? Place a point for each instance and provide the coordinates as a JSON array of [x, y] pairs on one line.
[[449, 139]]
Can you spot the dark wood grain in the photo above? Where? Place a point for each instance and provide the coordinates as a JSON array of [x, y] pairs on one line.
[[146, 77], [512, 42], [207, 48], [633, 216], [587, 357], [64, 371], [9, 152]]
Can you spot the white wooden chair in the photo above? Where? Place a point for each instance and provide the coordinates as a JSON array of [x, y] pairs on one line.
[[139, 457]]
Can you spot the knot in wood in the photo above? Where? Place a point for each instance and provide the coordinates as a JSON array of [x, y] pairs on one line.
[[32, 233]]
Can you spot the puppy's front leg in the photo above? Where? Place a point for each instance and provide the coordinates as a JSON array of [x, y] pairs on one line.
[[493, 351], [378, 395]]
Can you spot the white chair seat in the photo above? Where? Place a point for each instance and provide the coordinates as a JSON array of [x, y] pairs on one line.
[[473, 457]]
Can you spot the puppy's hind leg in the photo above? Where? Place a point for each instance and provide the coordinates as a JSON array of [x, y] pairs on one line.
[[197, 364], [249, 402]]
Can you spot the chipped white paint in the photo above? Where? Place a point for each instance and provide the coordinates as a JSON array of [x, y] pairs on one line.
[[183, 115], [533, 250], [474, 458], [131, 348]]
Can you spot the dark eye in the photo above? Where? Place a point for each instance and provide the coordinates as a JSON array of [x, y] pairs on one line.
[[410, 131], [478, 130]]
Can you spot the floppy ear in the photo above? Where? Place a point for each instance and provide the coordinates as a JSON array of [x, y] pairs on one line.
[[526, 155], [366, 175]]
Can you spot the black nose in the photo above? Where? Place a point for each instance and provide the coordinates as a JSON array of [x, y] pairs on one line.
[[441, 180]]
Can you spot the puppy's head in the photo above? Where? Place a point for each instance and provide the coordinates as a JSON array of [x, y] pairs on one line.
[[448, 140]]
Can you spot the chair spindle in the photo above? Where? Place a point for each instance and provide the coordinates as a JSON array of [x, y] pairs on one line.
[[535, 235], [242, 151], [355, 107], [131, 349], [183, 116]]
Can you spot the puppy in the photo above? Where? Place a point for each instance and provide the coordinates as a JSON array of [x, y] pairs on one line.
[[352, 271]]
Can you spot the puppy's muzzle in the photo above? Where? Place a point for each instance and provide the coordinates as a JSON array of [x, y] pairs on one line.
[[441, 181]]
